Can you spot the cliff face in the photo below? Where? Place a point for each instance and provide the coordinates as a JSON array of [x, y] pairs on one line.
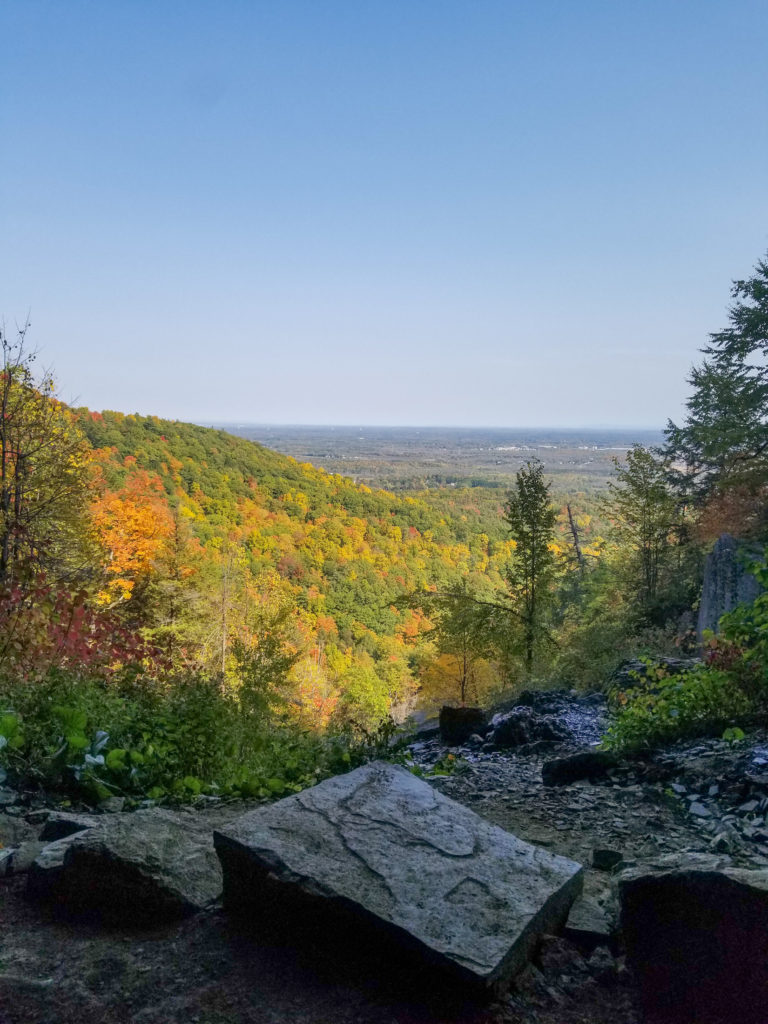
[[727, 581]]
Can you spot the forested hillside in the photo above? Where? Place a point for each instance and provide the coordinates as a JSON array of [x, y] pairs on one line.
[[212, 539]]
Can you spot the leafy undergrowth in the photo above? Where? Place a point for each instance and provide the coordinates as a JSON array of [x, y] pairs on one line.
[[86, 740], [727, 691], [718, 697]]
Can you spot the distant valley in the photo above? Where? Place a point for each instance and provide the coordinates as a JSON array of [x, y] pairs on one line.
[[414, 458]]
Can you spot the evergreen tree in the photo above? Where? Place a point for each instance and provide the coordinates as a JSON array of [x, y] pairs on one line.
[[532, 569], [724, 439]]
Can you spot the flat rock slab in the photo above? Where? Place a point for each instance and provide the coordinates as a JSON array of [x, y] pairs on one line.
[[381, 849], [696, 932]]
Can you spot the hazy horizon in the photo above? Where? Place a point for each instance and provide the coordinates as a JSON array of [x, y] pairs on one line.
[[550, 427]]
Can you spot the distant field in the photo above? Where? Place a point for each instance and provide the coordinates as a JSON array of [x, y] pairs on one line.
[[411, 458]]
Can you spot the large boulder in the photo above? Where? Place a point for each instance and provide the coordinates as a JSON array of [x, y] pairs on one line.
[[696, 933], [458, 724], [147, 866], [380, 856], [727, 580]]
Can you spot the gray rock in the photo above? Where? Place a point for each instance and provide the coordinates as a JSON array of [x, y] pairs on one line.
[[696, 933], [23, 856], [588, 764], [15, 831], [474, 742], [699, 810], [602, 965], [523, 726], [38, 816], [112, 805], [60, 824], [8, 797], [722, 843], [381, 853], [147, 866]]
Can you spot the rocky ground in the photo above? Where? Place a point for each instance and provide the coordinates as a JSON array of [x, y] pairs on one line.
[[209, 969]]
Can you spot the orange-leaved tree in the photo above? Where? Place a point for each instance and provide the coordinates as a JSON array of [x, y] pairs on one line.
[[132, 525]]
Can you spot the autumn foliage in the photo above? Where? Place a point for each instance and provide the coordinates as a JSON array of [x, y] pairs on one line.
[[132, 526]]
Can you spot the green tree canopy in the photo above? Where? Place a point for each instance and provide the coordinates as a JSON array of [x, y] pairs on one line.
[[464, 639], [44, 482], [644, 515]]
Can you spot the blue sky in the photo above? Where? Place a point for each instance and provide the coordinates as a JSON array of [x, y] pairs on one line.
[[397, 212]]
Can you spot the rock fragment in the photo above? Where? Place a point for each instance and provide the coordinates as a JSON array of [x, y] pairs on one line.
[[22, 857], [587, 764], [6, 861], [698, 810], [522, 726], [588, 925]]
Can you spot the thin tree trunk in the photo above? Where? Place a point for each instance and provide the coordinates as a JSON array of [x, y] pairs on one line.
[[224, 595], [576, 545]]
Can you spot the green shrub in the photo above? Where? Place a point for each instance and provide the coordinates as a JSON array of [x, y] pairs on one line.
[[701, 701]]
